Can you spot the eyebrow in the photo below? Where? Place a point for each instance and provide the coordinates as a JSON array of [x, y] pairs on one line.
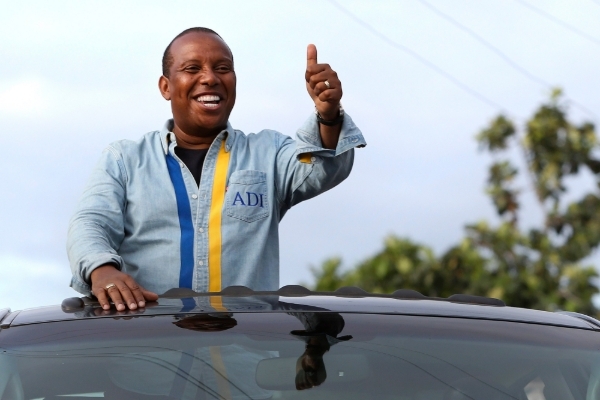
[[194, 60]]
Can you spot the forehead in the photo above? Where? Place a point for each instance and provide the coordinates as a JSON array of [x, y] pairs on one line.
[[199, 45]]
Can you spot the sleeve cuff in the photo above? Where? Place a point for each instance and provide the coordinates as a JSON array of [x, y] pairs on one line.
[[91, 263], [309, 138], [80, 286]]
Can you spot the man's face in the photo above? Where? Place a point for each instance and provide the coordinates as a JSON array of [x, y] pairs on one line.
[[201, 85]]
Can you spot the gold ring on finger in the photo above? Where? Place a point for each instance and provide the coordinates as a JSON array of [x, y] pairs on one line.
[[110, 285], [327, 83]]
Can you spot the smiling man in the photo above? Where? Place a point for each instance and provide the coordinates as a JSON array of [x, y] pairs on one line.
[[198, 203]]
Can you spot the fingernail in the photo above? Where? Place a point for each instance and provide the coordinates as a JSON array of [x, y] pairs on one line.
[[106, 306], [120, 307], [132, 306], [142, 304]]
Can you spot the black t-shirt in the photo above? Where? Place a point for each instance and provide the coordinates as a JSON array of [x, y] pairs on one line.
[[193, 159]]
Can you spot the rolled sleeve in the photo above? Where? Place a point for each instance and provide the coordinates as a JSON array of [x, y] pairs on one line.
[[307, 169], [309, 138]]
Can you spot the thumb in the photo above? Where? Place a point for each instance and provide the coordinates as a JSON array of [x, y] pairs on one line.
[[311, 55]]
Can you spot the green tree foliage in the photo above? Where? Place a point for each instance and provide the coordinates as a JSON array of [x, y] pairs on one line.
[[536, 268]]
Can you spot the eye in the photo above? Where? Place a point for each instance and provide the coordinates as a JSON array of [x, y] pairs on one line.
[[223, 68], [192, 69]]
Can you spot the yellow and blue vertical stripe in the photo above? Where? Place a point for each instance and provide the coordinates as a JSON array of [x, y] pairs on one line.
[[186, 223]]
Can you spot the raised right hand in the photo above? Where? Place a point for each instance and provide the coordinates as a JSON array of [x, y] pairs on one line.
[[124, 291]]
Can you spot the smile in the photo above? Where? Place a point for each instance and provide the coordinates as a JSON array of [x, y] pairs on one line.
[[209, 101]]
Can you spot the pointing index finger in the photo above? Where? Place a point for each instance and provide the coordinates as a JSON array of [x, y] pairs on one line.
[[311, 55]]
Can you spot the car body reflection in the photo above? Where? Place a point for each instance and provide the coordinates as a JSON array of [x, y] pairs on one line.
[[321, 330]]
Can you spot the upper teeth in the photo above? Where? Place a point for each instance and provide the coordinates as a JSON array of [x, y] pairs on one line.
[[209, 98]]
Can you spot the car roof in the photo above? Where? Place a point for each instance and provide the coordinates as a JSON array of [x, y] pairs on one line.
[[238, 299]]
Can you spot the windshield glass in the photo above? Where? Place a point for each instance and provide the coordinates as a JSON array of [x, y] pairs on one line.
[[297, 355]]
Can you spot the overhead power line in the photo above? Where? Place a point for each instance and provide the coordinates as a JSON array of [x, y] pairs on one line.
[[487, 44], [560, 22], [418, 57], [502, 55]]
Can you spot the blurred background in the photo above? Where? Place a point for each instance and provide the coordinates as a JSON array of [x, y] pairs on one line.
[[421, 79]]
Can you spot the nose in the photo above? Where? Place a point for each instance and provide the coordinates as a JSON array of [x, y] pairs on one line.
[[208, 77]]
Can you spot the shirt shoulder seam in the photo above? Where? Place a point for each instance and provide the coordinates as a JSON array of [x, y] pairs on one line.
[[119, 159]]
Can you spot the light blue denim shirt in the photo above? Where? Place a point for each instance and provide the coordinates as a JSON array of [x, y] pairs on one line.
[[143, 211]]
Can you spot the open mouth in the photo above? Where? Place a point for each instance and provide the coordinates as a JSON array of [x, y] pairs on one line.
[[209, 101]]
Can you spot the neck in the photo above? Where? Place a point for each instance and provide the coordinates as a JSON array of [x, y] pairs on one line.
[[194, 142]]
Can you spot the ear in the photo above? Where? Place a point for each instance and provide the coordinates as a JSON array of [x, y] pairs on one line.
[[163, 86]]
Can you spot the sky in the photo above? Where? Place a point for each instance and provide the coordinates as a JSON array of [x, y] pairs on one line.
[[420, 79]]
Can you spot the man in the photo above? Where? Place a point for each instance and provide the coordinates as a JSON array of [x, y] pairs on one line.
[[198, 203]]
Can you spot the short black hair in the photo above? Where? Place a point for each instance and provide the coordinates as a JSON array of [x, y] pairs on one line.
[[167, 60]]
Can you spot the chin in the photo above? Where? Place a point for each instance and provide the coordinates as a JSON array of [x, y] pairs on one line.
[[207, 124]]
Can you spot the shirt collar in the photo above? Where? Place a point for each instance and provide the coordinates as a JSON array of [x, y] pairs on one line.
[[167, 136]]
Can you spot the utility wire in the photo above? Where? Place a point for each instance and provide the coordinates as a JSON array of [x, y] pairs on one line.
[[560, 22], [419, 58], [487, 44], [502, 55]]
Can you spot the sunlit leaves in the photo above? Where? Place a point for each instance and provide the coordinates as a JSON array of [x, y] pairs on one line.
[[328, 277], [583, 220], [499, 188], [555, 148], [496, 136]]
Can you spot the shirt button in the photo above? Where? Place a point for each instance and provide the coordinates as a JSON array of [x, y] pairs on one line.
[[200, 263], [201, 230], [194, 196], [313, 159]]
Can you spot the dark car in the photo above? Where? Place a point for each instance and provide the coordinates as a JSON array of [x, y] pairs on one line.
[[298, 344]]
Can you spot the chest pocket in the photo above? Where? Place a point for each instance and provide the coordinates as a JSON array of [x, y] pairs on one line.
[[247, 197]]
